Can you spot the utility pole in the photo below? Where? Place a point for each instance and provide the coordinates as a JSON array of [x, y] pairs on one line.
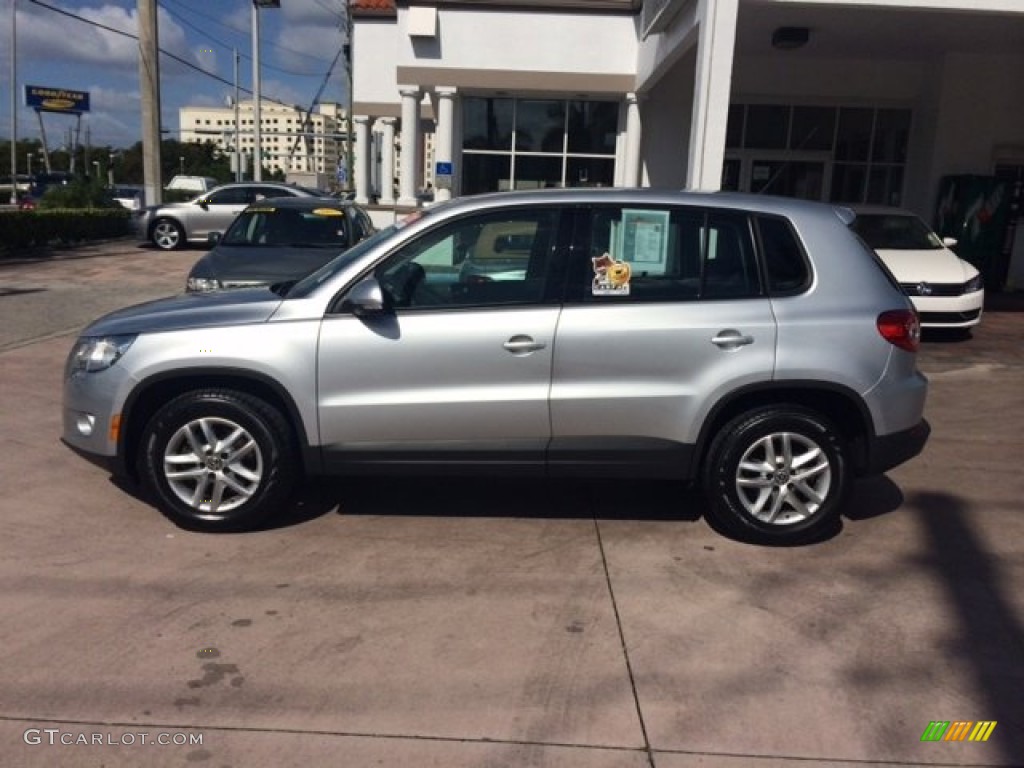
[[14, 102], [238, 136], [149, 86], [349, 153]]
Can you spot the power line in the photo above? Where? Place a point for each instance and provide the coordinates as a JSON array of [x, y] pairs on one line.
[[166, 53], [221, 43], [243, 32]]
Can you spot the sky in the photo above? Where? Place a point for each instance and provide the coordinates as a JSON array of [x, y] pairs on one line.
[[298, 43]]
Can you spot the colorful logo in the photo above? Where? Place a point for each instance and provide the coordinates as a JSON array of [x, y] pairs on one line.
[[958, 730]]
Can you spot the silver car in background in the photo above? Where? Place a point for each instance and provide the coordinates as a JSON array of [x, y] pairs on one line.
[[750, 344], [172, 225]]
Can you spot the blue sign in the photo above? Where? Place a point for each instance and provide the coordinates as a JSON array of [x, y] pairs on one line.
[[45, 99], [443, 169]]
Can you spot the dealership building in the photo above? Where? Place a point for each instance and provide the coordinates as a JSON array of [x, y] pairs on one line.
[[851, 101]]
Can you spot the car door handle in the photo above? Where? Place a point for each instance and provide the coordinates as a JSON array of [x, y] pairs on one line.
[[523, 345], [731, 339]]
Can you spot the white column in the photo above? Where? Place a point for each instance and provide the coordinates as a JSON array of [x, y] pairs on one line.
[[715, 47], [410, 144], [362, 152], [443, 138], [387, 161], [631, 158]]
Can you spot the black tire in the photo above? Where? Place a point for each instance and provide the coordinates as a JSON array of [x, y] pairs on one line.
[[769, 506], [254, 466], [167, 234]]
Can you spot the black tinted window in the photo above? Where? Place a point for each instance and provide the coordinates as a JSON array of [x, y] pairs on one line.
[[783, 257], [648, 254]]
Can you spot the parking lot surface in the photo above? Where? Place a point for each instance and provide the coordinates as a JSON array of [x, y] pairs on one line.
[[497, 623]]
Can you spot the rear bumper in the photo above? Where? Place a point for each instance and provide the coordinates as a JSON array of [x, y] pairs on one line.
[[888, 451]]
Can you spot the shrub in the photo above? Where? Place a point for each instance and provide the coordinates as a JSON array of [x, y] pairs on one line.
[[78, 194], [26, 229]]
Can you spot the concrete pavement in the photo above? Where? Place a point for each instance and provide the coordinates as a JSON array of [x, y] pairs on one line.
[[434, 623]]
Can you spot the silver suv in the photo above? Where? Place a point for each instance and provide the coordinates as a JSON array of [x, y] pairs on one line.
[[752, 344]]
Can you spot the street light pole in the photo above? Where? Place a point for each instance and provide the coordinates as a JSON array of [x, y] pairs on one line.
[[257, 117], [238, 136], [14, 102]]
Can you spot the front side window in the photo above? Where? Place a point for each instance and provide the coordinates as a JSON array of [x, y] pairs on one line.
[[487, 260], [661, 254], [231, 196]]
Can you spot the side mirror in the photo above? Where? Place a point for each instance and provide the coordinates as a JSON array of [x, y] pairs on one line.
[[366, 299], [213, 238], [204, 204], [949, 242]]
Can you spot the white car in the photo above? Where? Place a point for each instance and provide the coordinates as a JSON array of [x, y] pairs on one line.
[[946, 291]]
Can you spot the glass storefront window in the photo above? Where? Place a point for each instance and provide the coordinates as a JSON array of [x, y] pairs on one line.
[[590, 172], [854, 136], [540, 126], [813, 128], [487, 123], [593, 126], [767, 126], [536, 172], [557, 143], [734, 127], [892, 134], [485, 173]]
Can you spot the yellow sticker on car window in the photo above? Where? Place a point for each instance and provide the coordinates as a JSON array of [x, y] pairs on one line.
[[262, 210], [327, 212], [611, 277]]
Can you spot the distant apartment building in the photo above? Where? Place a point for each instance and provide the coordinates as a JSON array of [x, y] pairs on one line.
[[292, 140]]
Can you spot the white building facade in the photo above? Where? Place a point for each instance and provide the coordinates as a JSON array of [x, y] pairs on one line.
[[292, 139], [852, 101]]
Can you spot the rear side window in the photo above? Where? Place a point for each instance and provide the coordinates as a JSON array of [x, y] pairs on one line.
[[784, 260], [669, 254]]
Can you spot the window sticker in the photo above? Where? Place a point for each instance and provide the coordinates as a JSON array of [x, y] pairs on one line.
[[327, 212], [261, 210], [643, 240], [611, 277]]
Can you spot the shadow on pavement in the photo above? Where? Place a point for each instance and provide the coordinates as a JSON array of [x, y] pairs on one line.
[[988, 637]]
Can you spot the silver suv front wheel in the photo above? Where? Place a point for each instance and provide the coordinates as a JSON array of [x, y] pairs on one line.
[[218, 459], [777, 474]]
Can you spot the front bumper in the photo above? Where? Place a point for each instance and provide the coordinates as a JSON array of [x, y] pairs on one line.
[[950, 311], [91, 415]]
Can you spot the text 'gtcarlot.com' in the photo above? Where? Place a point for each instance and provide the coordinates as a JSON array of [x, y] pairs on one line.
[[55, 736]]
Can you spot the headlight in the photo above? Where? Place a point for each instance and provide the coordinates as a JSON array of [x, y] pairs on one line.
[[976, 283], [202, 284], [92, 354]]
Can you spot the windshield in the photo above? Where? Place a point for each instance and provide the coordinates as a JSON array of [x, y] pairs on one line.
[[268, 225], [895, 232], [309, 283]]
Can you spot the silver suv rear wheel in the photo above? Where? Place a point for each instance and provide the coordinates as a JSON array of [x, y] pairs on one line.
[[777, 474]]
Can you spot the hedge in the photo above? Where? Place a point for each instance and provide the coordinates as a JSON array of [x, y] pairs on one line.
[[27, 229]]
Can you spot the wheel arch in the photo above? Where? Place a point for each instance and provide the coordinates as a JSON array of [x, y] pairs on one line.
[[151, 394], [839, 405]]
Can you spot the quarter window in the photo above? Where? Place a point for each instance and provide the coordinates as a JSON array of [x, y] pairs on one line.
[[784, 259]]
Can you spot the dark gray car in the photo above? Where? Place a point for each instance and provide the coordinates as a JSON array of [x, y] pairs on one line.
[[278, 240]]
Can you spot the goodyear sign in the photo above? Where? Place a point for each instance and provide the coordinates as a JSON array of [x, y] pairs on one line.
[[47, 99]]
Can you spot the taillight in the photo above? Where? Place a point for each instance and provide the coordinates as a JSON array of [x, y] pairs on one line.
[[900, 327]]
